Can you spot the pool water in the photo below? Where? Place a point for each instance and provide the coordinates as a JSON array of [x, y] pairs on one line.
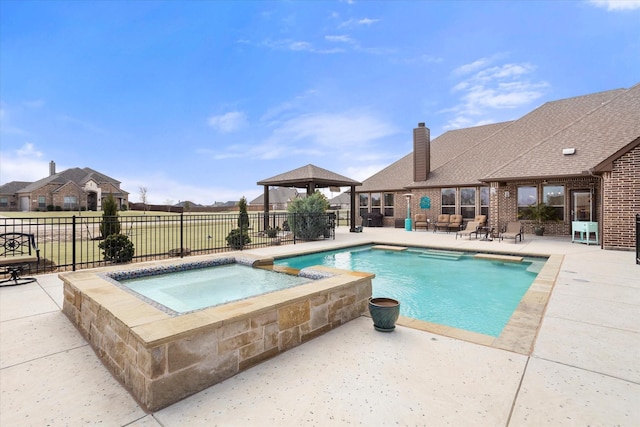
[[189, 290], [444, 287]]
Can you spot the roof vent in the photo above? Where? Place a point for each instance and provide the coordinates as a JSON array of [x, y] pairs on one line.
[[568, 151]]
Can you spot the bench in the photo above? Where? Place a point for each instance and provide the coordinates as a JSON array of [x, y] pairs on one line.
[[17, 252]]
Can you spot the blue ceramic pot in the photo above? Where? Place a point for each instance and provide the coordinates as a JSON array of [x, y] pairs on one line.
[[384, 312]]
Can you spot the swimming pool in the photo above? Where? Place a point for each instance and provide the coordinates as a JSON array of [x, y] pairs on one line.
[[457, 289]]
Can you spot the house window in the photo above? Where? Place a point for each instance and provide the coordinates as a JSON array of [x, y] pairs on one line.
[[388, 204], [448, 201], [468, 203], [42, 202], [527, 196], [484, 201], [375, 202], [4, 202], [553, 195], [364, 204], [70, 202]]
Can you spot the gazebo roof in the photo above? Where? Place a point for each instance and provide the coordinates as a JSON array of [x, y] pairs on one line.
[[309, 174]]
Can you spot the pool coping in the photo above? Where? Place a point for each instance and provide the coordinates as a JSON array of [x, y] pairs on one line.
[[521, 330]]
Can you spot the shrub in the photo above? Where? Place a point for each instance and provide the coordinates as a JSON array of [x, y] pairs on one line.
[[117, 248], [306, 216], [243, 219], [272, 232], [237, 238], [110, 223]]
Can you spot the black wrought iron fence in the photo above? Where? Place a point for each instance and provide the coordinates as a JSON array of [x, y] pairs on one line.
[[71, 243], [637, 238]]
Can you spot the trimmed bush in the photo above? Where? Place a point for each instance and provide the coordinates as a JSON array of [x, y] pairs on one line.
[[237, 239], [117, 248]]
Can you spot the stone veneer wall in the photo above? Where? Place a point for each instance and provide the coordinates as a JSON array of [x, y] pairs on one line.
[[163, 360]]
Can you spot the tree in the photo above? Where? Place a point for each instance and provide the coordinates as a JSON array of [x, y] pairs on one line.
[[143, 198], [110, 223], [306, 216], [239, 237], [243, 218]]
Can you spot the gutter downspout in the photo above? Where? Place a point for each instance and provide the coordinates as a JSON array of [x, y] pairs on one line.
[[601, 211]]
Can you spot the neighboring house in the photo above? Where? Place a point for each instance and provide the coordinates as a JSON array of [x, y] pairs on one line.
[[341, 201], [71, 189], [580, 155], [279, 198]]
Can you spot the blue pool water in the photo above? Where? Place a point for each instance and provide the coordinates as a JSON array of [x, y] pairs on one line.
[[183, 291], [444, 287]]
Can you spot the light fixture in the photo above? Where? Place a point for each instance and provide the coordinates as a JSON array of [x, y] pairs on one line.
[[568, 151]]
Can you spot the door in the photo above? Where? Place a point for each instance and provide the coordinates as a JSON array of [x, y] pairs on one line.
[[582, 208]]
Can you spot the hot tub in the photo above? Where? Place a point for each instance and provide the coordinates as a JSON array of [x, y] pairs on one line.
[[163, 356]]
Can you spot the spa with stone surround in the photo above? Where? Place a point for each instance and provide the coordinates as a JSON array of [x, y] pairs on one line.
[[162, 357]]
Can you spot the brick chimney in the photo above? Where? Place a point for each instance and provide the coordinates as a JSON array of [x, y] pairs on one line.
[[52, 168], [421, 153]]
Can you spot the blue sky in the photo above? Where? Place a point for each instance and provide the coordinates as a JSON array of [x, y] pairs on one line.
[[199, 100]]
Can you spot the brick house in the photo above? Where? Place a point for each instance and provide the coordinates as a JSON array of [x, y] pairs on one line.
[[72, 189], [579, 155]]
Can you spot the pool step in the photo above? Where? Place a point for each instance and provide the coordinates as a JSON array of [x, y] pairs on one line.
[[438, 254]]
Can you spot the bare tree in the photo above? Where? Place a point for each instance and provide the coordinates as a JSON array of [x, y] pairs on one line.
[[143, 198]]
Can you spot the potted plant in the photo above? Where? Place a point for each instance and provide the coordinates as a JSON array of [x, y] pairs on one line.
[[540, 213], [384, 312]]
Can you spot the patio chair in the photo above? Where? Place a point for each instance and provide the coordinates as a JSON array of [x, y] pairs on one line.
[[455, 223], [482, 219], [442, 222], [17, 252], [471, 228], [513, 230], [421, 222]]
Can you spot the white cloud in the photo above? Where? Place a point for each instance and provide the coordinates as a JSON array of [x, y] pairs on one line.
[[161, 189], [358, 22], [348, 133], [340, 39], [616, 4], [24, 164], [487, 88], [228, 122]]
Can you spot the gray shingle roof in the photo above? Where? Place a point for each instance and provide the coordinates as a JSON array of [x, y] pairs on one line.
[[79, 176], [595, 136], [307, 174], [12, 187], [597, 125], [277, 195]]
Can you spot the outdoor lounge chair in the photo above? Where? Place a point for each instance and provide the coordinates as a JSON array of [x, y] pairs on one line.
[[17, 252], [513, 230], [421, 222], [482, 219], [471, 228], [442, 222], [455, 223]]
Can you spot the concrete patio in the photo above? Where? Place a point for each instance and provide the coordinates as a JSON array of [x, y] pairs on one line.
[[584, 369]]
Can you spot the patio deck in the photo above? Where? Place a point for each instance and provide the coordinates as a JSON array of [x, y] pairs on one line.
[[584, 368]]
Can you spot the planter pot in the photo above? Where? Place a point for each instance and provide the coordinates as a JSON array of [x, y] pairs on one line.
[[384, 312], [538, 231]]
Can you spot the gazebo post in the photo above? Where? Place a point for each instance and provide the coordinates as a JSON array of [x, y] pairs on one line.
[[266, 207], [353, 209]]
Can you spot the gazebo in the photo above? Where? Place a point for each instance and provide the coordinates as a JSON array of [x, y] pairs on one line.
[[311, 177]]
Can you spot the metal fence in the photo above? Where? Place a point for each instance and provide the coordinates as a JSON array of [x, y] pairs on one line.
[[637, 238], [71, 243]]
